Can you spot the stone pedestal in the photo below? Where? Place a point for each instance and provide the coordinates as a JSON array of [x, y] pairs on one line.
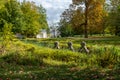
[[83, 47], [56, 45], [70, 46]]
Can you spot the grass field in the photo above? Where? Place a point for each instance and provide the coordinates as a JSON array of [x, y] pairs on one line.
[[35, 59]]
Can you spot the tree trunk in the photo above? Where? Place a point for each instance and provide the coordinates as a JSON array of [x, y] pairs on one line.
[[86, 20], [86, 31], [116, 31]]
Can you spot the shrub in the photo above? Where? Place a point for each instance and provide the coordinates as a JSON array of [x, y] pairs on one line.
[[107, 57]]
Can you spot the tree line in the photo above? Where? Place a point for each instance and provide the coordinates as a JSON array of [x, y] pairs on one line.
[[25, 17], [88, 17]]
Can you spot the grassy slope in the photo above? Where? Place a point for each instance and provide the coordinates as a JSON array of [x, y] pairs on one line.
[[32, 62]]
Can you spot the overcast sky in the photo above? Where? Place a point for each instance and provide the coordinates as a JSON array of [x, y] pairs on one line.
[[54, 8]]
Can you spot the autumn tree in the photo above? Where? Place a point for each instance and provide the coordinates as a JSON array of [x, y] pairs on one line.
[[83, 20], [92, 11], [96, 17], [77, 21]]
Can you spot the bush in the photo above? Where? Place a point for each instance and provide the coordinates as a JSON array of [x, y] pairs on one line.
[[108, 57]]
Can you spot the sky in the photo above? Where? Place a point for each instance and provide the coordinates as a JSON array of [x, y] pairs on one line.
[[54, 8]]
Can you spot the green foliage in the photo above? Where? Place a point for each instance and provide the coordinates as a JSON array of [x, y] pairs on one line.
[[43, 17], [65, 29], [34, 17], [26, 17], [6, 36], [10, 9], [114, 17], [31, 17]]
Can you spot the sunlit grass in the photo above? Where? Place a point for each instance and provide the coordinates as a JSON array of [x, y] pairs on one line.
[[37, 59]]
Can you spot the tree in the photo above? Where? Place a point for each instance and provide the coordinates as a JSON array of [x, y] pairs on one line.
[[26, 18], [43, 17], [34, 17], [97, 15], [11, 8], [77, 21], [65, 24], [92, 8], [114, 16], [65, 29], [69, 22], [31, 17]]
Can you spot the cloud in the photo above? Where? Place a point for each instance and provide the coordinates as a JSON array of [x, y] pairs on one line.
[[54, 8], [47, 5]]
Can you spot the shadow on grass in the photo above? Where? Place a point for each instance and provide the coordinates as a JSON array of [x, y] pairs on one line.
[[63, 72]]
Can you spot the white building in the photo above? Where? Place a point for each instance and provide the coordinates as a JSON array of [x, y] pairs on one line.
[[42, 34]]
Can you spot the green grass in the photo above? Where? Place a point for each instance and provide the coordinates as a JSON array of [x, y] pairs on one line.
[[15, 72], [35, 59]]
